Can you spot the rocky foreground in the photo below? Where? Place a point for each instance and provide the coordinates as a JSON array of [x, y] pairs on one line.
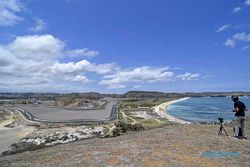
[[172, 145]]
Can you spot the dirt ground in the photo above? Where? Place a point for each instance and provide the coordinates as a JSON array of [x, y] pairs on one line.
[[173, 145]]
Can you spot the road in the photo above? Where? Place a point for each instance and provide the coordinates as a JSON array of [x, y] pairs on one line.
[[41, 113]]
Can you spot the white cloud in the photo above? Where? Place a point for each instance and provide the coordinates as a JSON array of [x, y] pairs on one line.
[[237, 9], [83, 66], [39, 25], [83, 52], [78, 78], [144, 74], [222, 28], [8, 12], [242, 37], [35, 47], [139, 74], [247, 2], [245, 47], [188, 76], [70, 67], [32, 63], [30, 60], [231, 42]]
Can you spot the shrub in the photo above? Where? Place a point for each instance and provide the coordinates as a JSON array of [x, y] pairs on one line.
[[122, 127], [116, 132], [137, 127]]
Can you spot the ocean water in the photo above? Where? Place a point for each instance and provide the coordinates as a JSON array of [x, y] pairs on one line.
[[205, 109]]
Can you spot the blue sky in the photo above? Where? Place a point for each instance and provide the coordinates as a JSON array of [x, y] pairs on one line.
[[113, 46]]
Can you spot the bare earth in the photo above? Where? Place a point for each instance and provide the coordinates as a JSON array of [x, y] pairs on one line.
[[11, 135], [61, 114], [173, 145], [8, 135]]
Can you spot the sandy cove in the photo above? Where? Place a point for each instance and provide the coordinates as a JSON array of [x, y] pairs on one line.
[[161, 110]]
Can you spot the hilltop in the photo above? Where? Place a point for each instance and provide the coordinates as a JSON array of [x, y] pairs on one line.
[[172, 145], [129, 94]]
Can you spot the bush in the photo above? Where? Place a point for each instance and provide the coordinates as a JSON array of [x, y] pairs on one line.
[[136, 127], [122, 127], [116, 132]]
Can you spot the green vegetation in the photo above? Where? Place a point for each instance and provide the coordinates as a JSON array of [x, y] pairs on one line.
[[153, 123], [143, 103], [137, 114], [122, 127]]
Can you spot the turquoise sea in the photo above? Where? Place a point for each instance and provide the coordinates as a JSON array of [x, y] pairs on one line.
[[205, 109]]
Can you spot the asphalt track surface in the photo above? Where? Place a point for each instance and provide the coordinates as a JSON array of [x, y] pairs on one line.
[[42, 113]]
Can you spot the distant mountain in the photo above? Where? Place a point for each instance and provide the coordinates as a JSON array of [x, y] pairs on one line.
[[143, 94], [29, 95], [150, 94], [130, 94]]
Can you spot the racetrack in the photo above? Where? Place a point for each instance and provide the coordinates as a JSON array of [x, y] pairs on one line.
[[42, 113]]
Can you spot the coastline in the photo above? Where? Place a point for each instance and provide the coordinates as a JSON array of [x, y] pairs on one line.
[[160, 110]]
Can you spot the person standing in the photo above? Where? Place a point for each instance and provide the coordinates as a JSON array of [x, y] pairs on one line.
[[239, 109]]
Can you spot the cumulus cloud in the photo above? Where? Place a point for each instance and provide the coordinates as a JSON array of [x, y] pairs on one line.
[[27, 58], [32, 62], [238, 37], [144, 74], [77, 78], [39, 25], [83, 66], [8, 12], [222, 28], [33, 59], [140, 74], [83, 52], [36, 47], [237, 9]]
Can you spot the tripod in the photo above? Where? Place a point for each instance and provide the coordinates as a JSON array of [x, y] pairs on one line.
[[222, 128]]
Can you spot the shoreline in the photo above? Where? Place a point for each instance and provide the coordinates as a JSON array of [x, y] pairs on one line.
[[161, 111]]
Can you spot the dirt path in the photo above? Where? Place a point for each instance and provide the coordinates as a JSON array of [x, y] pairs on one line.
[[126, 117]]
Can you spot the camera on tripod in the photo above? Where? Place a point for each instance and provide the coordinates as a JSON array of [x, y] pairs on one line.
[[220, 119], [221, 127]]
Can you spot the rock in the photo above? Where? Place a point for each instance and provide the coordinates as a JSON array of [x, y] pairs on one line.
[[65, 137]]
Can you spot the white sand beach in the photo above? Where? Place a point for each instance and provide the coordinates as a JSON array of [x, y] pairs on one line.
[[161, 110]]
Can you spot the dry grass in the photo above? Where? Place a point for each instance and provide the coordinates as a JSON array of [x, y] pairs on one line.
[[173, 145]]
